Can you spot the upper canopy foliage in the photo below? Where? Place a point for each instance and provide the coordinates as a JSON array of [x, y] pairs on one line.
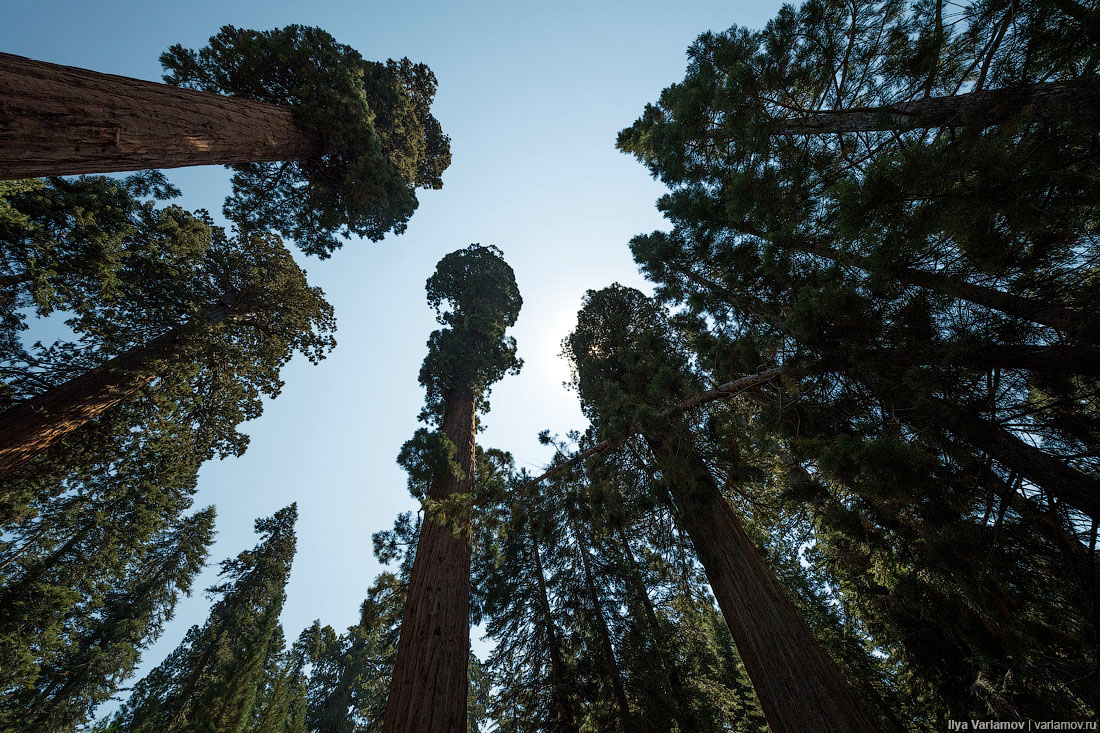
[[622, 351], [377, 141], [475, 297]]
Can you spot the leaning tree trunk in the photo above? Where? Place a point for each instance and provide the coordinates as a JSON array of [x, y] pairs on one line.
[[608, 650], [428, 689], [979, 110], [799, 687], [563, 710], [60, 120], [1077, 489], [682, 715], [33, 425]]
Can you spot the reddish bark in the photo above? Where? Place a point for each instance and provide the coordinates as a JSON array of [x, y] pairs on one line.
[[428, 689], [61, 120], [33, 425], [799, 687]]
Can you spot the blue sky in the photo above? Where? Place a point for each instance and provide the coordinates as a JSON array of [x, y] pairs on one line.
[[532, 95]]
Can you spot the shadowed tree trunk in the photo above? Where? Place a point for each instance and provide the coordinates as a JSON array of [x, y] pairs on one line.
[[975, 109], [666, 645], [800, 688], [428, 689], [563, 711], [608, 650], [60, 120], [33, 425]]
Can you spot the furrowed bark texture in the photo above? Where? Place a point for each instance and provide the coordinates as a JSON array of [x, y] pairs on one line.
[[428, 688], [32, 426], [60, 120], [799, 687], [976, 109]]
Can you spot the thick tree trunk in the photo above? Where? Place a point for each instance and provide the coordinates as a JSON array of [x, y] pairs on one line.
[[608, 651], [59, 120], [33, 425], [976, 109], [563, 710], [428, 689], [800, 688]]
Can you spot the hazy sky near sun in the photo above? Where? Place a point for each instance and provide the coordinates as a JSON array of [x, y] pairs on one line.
[[532, 96]]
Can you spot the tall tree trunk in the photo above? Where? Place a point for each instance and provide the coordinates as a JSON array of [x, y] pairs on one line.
[[978, 109], [800, 688], [60, 120], [665, 645], [608, 650], [33, 425], [429, 687], [563, 710]]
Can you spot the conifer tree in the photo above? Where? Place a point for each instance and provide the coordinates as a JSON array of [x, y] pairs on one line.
[[355, 138], [429, 687], [75, 544], [531, 651], [929, 291], [104, 640], [914, 265], [240, 306], [281, 702], [622, 356], [351, 673], [213, 679]]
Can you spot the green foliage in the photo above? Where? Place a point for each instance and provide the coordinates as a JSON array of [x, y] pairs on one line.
[[377, 141], [240, 305], [912, 283], [474, 294], [212, 680], [77, 621], [428, 457]]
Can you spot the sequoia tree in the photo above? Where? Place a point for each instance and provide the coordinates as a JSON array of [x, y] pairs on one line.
[[354, 138], [624, 361], [476, 299], [198, 296]]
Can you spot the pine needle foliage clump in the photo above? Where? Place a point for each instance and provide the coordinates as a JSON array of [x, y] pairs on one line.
[[376, 139]]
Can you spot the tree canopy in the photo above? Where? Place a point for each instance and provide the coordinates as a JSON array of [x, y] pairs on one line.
[[377, 139]]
